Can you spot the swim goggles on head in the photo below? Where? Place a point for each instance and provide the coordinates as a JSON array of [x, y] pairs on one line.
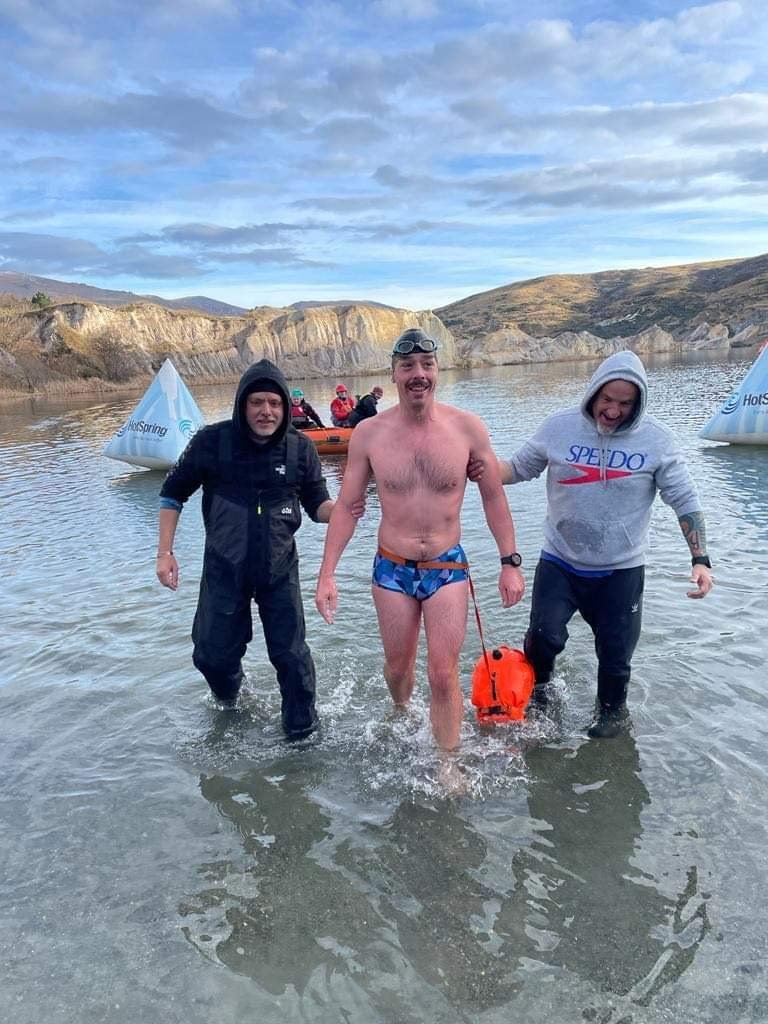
[[404, 346]]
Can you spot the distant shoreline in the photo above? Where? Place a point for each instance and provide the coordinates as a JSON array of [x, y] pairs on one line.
[[71, 389]]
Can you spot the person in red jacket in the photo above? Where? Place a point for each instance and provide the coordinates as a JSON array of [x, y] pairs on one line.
[[341, 406]]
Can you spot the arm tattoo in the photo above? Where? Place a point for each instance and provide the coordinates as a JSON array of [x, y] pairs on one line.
[[695, 532]]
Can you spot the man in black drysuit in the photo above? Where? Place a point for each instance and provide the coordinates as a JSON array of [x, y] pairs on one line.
[[366, 407], [254, 469]]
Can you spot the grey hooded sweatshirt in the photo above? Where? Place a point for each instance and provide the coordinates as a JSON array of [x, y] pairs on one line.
[[601, 487]]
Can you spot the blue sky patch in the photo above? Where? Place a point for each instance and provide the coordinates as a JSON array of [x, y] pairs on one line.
[[407, 151]]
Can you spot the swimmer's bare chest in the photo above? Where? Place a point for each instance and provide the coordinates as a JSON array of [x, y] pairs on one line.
[[421, 482], [433, 464], [420, 472]]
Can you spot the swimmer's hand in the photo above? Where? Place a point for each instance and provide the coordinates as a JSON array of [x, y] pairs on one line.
[[702, 577], [511, 585], [326, 598], [357, 508]]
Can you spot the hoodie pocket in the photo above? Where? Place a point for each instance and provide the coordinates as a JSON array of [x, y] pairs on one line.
[[595, 543]]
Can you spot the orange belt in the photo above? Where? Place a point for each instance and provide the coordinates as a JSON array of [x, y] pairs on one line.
[[411, 564]]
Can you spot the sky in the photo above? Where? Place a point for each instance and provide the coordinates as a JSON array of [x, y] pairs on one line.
[[412, 152]]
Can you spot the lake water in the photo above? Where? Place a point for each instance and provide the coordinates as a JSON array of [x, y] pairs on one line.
[[166, 861]]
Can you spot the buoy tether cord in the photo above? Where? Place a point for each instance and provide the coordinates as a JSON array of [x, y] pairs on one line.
[[482, 637]]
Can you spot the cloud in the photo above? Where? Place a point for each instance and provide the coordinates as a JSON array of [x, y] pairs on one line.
[[26, 215], [349, 132], [341, 83], [261, 257], [405, 10], [576, 130], [343, 204], [138, 261], [39, 34], [602, 196], [708, 23], [392, 177], [183, 121], [180, 13], [54, 251], [57, 254], [380, 232], [42, 166], [216, 235], [629, 183]]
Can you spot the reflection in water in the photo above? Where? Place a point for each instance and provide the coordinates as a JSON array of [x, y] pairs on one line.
[[383, 919], [740, 472], [438, 906], [281, 915], [422, 895], [139, 490], [581, 904]]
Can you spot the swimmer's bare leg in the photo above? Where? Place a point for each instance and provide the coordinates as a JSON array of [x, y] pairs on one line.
[[445, 624], [399, 623]]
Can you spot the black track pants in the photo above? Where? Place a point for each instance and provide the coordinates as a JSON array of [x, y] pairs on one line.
[[611, 605], [223, 629]]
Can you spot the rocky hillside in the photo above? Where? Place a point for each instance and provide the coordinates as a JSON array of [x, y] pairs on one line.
[[727, 297], [82, 346]]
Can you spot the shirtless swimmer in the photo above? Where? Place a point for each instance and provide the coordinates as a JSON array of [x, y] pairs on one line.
[[418, 453]]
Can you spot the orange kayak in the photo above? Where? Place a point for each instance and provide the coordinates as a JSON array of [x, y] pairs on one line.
[[330, 440]]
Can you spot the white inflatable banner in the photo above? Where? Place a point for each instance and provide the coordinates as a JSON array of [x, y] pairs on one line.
[[743, 416], [158, 429]]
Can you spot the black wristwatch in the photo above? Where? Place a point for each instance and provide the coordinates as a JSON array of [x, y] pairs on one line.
[[701, 560], [514, 560]]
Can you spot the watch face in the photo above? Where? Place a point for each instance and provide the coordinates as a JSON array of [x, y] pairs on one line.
[[514, 560]]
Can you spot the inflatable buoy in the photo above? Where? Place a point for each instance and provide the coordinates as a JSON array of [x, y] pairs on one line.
[[743, 416], [160, 427], [502, 684]]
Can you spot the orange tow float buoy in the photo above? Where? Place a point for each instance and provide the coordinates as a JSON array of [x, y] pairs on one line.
[[502, 684]]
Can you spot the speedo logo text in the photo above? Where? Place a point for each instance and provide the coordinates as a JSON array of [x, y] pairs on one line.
[[587, 460], [617, 458]]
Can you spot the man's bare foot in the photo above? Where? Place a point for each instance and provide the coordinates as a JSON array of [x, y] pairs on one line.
[[450, 776]]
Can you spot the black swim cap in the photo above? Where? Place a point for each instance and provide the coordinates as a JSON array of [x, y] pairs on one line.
[[413, 340]]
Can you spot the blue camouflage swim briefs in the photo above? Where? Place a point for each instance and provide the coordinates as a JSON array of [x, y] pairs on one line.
[[418, 583]]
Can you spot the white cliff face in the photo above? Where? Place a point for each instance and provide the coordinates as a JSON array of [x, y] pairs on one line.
[[82, 345], [511, 345]]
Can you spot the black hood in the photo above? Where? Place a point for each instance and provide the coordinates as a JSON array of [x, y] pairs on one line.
[[267, 372]]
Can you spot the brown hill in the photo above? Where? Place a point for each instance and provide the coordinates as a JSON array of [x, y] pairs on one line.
[[24, 286], [619, 303]]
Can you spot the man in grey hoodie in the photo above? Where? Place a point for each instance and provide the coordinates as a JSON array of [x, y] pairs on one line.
[[605, 460]]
